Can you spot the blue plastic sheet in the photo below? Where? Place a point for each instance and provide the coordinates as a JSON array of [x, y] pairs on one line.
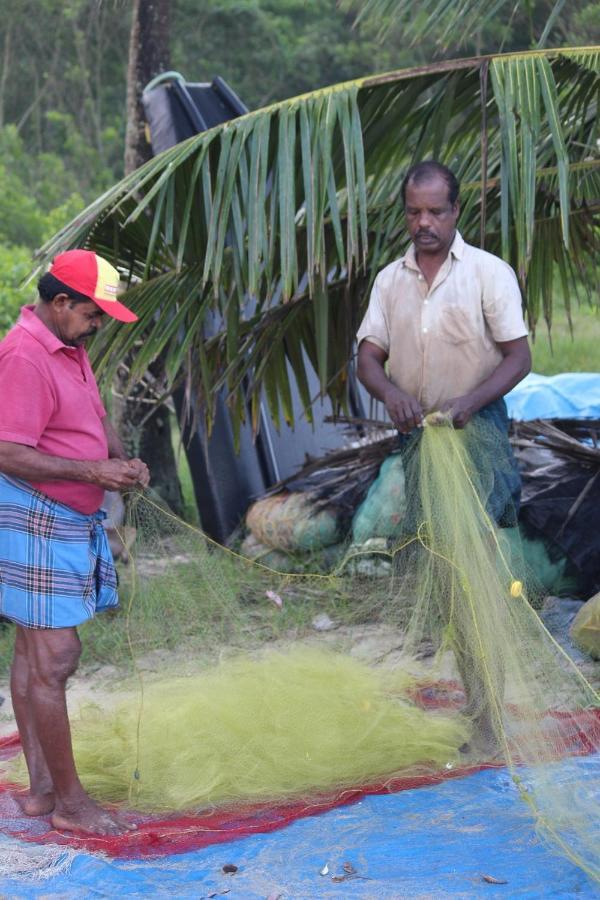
[[571, 395], [431, 842]]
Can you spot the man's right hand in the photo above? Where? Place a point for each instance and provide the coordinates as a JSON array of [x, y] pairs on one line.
[[119, 474], [405, 411]]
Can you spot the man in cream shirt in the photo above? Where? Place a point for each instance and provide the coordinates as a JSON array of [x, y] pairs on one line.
[[447, 320], [446, 316]]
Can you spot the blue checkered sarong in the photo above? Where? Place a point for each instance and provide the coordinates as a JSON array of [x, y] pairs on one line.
[[56, 568]]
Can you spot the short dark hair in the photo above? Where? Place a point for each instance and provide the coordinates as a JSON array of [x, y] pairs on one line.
[[49, 286], [426, 170]]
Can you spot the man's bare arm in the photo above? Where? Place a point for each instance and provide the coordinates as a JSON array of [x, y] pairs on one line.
[[116, 450], [405, 411], [25, 462], [515, 364]]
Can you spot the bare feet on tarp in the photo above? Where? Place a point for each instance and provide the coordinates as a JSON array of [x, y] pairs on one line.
[[36, 804], [84, 816]]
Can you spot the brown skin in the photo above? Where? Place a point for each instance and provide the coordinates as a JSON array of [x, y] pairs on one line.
[[71, 321], [431, 222], [404, 410], [44, 659]]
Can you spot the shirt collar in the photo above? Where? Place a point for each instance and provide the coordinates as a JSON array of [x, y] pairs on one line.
[[457, 249], [36, 328]]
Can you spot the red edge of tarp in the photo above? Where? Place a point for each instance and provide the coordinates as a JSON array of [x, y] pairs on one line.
[[179, 834], [160, 837]]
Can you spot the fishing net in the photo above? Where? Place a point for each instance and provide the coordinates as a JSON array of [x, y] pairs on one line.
[[281, 726], [30, 863], [250, 689]]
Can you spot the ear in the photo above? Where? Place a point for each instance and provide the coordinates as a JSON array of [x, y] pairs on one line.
[[60, 301]]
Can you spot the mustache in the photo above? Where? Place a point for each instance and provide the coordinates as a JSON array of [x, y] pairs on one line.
[[424, 233]]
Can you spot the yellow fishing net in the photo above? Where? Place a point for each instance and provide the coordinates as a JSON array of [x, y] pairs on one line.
[[272, 728], [250, 684]]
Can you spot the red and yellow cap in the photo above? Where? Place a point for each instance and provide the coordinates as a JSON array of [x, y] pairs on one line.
[[91, 275]]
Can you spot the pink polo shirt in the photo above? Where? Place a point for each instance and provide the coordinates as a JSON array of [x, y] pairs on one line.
[[49, 400]]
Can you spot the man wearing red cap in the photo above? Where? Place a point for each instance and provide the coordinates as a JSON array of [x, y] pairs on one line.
[[58, 454]]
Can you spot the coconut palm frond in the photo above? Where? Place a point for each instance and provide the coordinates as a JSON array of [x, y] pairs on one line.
[[250, 249], [444, 20]]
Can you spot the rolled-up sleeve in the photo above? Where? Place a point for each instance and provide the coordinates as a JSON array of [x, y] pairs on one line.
[[374, 327], [502, 304], [27, 401]]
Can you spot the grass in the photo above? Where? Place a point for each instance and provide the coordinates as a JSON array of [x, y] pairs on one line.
[[186, 597], [566, 352]]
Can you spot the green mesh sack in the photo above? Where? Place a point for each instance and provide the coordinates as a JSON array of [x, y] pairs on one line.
[[289, 522], [381, 513], [585, 629]]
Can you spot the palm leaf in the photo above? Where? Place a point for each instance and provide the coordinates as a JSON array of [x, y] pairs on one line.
[[249, 249], [443, 20]]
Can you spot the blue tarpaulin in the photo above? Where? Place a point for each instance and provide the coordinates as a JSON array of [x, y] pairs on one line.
[[430, 842], [571, 395]]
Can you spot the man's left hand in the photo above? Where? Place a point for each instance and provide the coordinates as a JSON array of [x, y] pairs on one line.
[[142, 471], [462, 408]]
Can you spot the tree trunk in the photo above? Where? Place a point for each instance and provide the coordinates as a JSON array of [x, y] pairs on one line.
[[148, 57]]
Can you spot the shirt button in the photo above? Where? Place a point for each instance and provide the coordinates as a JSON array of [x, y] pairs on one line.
[[424, 331], [420, 278]]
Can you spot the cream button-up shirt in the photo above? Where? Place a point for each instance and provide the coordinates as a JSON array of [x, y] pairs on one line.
[[441, 341]]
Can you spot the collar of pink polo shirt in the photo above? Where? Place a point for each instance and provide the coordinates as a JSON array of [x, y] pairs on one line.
[[36, 328]]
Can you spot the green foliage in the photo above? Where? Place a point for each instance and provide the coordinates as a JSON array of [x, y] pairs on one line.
[[15, 265], [269, 50], [210, 230], [38, 194], [584, 25], [483, 26], [65, 62]]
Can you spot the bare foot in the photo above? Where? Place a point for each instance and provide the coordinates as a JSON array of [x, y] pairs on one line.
[[86, 817], [36, 804]]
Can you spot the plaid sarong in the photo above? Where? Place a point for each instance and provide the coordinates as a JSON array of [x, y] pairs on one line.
[[56, 568]]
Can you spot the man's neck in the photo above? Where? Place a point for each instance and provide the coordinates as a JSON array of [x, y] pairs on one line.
[[42, 312], [431, 263]]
